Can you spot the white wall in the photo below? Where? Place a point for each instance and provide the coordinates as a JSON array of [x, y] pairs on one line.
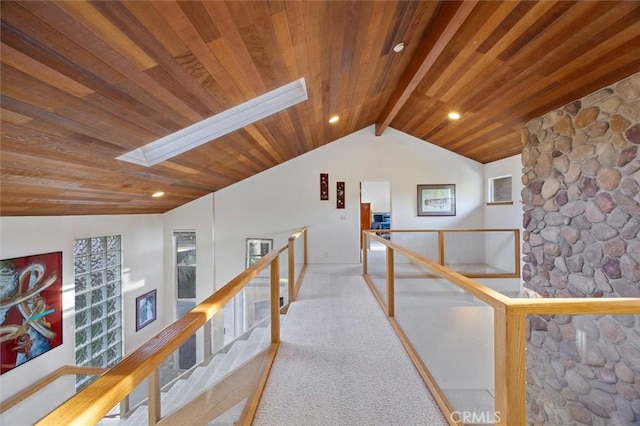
[[195, 216], [504, 216], [142, 248], [378, 194], [270, 205], [287, 196]]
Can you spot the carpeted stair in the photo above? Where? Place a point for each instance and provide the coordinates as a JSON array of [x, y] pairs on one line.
[[201, 378]]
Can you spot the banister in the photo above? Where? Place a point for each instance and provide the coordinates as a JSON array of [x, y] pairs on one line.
[[509, 323], [440, 235], [295, 235], [113, 387], [291, 270], [391, 307], [91, 404], [519, 306], [65, 370], [487, 295], [443, 230], [575, 306], [275, 298], [509, 367]]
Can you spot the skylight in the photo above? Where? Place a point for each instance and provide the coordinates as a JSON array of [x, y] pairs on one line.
[[218, 125]]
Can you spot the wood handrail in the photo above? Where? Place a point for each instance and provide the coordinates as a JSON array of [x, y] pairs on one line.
[[574, 306], [441, 247], [487, 295], [92, 403], [443, 230], [509, 324], [518, 306], [65, 370], [298, 234]]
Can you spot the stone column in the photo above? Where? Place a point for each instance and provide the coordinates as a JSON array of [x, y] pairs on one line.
[[581, 171]]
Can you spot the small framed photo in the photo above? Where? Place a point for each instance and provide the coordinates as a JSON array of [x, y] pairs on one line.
[[145, 309], [257, 248], [437, 200]]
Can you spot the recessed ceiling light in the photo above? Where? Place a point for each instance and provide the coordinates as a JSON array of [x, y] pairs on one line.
[[157, 194], [454, 116], [218, 125], [334, 119], [398, 47]]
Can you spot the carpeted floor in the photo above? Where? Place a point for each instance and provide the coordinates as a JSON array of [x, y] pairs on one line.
[[340, 362]]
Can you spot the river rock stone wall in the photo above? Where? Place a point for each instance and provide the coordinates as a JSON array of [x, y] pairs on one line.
[[581, 176]]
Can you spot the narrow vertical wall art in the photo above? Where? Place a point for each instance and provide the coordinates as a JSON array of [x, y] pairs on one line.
[[30, 307], [324, 186], [340, 195]]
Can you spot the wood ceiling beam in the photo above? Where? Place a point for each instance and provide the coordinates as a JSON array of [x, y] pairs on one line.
[[447, 22]]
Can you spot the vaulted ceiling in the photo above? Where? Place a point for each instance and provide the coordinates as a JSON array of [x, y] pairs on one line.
[[85, 82]]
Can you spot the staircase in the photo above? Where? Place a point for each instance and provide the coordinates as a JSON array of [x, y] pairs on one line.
[[202, 378]]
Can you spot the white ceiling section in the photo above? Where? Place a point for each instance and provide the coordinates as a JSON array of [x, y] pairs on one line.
[[218, 125]]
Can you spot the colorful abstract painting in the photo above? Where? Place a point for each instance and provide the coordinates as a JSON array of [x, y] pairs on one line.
[[30, 307]]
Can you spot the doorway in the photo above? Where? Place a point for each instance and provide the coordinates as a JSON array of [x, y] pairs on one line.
[[375, 207]]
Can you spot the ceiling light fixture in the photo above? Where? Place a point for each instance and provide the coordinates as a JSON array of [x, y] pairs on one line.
[[218, 125], [398, 47], [454, 116], [157, 194], [334, 119]]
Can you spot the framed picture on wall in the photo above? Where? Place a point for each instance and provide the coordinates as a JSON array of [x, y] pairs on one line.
[[257, 248], [30, 307], [340, 195], [324, 186], [145, 309], [437, 200]]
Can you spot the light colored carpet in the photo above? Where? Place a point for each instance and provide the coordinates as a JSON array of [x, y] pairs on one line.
[[340, 362]]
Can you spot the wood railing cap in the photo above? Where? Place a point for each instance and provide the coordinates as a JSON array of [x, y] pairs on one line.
[[89, 405], [516, 306]]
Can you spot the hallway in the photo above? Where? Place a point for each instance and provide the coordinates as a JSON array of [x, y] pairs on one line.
[[340, 362]]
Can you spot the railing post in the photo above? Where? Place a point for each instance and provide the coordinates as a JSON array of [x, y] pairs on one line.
[[125, 406], [306, 246], [510, 367], [208, 350], [441, 247], [391, 310], [516, 237], [292, 270], [154, 397], [365, 259], [275, 300]]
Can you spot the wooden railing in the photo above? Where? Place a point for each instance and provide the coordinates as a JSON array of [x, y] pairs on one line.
[[509, 329], [65, 370], [92, 403], [443, 258]]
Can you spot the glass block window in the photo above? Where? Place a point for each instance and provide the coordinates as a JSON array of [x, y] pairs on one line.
[[500, 189], [98, 311]]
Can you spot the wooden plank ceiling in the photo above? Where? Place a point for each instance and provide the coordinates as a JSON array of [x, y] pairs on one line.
[[84, 82]]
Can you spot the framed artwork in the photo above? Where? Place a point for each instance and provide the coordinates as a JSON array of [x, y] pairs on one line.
[[340, 195], [257, 248], [145, 309], [30, 307], [324, 186], [437, 200]]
